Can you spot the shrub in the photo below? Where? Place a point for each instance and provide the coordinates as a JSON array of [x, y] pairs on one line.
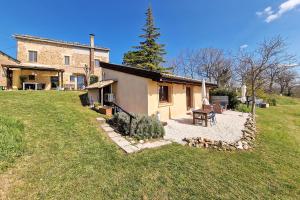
[[243, 108], [232, 96], [142, 127], [272, 101], [94, 79]]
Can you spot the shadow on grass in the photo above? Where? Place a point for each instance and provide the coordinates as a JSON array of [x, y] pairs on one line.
[[84, 99]]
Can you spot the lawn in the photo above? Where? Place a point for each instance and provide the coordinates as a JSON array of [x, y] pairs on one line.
[[59, 152]]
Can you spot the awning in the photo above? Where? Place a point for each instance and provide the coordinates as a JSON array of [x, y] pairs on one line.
[[100, 84], [34, 67]]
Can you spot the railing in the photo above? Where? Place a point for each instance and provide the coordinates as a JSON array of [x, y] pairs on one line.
[[116, 108]]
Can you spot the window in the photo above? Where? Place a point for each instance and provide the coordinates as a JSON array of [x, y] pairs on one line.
[[97, 63], [31, 77], [72, 78], [67, 60], [164, 94], [32, 56]]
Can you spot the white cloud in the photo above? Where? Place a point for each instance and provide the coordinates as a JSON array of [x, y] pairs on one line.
[[283, 8], [267, 11], [244, 46]]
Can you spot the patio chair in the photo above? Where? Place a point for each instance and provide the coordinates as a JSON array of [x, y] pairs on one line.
[[218, 108], [212, 118], [207, 107]]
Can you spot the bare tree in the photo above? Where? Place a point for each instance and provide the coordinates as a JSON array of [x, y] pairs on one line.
[[287, 81], [273, 72], [209, 63], [255, 65]]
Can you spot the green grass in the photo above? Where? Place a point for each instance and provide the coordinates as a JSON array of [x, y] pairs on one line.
[[11, 141], [67, 156]]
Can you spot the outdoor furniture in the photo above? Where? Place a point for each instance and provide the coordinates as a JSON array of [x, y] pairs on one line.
[[219, 108], [223, 100], [33, 86], [201, 114], [69, 86], [208, 107], [212, 118]]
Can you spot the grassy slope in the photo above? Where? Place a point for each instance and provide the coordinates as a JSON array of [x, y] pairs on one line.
[[67, 156], [11, 141]]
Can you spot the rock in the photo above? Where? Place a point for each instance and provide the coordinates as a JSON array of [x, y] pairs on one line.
[[245, 146], [141, 141], [239, 145], [207, 140]]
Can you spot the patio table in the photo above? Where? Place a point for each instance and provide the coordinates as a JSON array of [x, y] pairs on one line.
[[201, 112]]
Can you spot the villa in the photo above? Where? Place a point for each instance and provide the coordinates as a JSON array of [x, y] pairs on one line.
[[45, 64], [48, 64]]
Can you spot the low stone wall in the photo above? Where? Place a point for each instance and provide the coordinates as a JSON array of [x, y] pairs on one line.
[[245, 143]]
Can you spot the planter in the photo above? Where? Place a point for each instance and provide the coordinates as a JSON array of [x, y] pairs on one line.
[[105, 110]]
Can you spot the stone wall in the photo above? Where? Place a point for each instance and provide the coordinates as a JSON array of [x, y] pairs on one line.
[[49, 54], [246, 142], [4, 60]]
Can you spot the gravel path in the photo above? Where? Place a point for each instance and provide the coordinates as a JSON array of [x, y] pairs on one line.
[[228, 128]]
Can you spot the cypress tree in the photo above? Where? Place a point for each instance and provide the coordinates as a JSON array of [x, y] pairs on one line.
[[149, 54]]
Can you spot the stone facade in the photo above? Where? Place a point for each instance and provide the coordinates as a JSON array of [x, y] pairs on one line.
[[4, 59], [51, 54]]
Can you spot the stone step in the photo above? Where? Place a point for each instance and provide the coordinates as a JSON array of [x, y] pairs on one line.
[[130, 149], [101, 120], [107, 129]]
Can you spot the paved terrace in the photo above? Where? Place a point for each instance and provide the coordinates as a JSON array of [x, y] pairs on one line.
[[228, 128]]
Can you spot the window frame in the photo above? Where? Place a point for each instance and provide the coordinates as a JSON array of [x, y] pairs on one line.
[[71, 79], [97, 60], [69, 60], [169, 94], [35, 56]]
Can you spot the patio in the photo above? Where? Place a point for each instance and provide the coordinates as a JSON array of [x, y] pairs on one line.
[[228, 128]]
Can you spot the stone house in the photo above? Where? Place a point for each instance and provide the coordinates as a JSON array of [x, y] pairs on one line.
[[50, 64]]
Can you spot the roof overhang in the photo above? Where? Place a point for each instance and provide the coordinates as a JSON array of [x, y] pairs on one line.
[[101, 84], [10, 57], [51, 41], [155, 75], [33, 67], [184, 80], [133, 71]]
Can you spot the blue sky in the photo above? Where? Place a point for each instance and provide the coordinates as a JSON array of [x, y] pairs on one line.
[[226, 24]]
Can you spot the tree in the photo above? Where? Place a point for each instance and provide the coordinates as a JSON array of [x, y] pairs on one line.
[[210, 63], [186, 64], [287, 81], [149, 54], [255, 65]]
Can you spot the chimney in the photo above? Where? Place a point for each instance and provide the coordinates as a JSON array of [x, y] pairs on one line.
[[92, 40], [92, 53]]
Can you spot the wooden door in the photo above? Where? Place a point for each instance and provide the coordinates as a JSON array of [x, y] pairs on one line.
[[188, 98]]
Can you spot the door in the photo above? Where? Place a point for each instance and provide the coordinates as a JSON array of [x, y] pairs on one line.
[[9, 76], [188, 98], [80, 82], [54, 82]]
